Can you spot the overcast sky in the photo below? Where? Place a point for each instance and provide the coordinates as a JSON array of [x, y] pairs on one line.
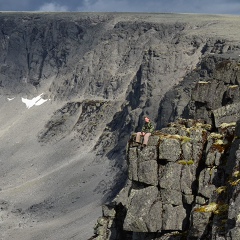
[[178, 6]]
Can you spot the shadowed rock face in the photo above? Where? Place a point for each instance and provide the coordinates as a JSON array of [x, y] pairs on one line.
[[100, 74]]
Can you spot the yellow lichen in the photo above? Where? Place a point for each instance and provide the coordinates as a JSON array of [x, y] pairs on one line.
[[203, 82], [221, 142], [185, 139], [215, 136], [204, 126], [236, 174], [233, 86], [211, 170], [207, 208], [221, 209], [213, 208], [183, 162], [234, 183], [225, 125], [186, 162], [169, 136], [221, 189]]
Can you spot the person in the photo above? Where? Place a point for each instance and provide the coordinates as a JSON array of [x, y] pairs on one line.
[[146, 132]]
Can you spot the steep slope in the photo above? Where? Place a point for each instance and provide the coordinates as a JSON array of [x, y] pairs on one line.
[[100, 74]]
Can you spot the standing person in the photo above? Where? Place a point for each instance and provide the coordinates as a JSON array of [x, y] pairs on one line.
[[147, 130]]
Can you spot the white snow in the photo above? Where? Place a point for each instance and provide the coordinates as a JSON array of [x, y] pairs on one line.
[[37, 101], [10, 99], [41, 101]]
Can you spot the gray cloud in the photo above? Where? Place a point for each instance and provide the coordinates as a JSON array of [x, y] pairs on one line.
[[179, 6]]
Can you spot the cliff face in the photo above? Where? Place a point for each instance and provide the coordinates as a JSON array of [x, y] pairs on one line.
[[183, 185], [99, 74]]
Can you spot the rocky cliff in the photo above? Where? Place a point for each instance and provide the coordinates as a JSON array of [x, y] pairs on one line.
[[183, 185], [88, 79]]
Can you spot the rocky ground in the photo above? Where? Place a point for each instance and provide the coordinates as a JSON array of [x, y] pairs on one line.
[[100, 73]]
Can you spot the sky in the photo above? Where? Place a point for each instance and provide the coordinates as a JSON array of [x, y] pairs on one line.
[[161, 6]]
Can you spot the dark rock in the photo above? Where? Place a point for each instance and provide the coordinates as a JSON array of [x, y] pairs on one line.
[[227, 114], [144, 209], [173, 217], [199, 225], [169, 176], [170, 149]]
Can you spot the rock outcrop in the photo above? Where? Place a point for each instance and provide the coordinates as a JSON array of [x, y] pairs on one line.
[[183, 184]]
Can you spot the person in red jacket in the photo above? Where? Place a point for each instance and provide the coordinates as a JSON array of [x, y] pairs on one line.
[[147, 130]]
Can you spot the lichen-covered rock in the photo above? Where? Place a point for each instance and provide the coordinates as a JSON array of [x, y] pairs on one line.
[[173, 217], [133, 164], [109, 211], [170, 149], [143, 166], [144, 213], [148, 172], [188, 179], [153, 140], [206, 182], [234, 157], [169, 176], [208, 93], [199, 224], [198, 138], [233, 220], [213, 158], [172, 197], [187, 150], [227, 114]]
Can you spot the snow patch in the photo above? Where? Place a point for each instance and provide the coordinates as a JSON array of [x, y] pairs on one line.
[[10, 99], [37, 101]]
